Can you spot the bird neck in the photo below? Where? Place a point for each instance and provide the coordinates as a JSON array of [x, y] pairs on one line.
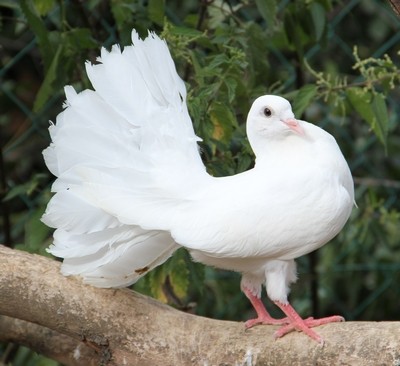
[[288, 151]]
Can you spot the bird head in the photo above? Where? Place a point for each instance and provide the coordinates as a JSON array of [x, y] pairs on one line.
[[271, 117], [271, 121]]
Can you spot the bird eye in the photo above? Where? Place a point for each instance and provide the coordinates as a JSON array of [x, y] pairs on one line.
[[267, 112]]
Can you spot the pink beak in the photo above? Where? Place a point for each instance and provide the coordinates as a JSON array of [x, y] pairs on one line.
[[294, 125]]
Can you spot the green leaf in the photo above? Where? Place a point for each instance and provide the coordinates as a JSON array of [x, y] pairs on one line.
[[319, 19], [231, 85], [381, 117], [244, 163], [267, 9], [40, 31], [68, 46], [79, 39], [196, 274], [372, 108], [156, 10], [303, 99], [179, 274], [156, 278], [47, 88], [43, 6], [16, 191], [361, 102], [36, 232], [186, 32], [25, 189], [217, 13], [121, 13], [223, 120]]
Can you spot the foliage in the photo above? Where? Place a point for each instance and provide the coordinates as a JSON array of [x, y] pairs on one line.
[[336, 62]]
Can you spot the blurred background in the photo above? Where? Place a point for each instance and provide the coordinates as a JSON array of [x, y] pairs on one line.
[[336, 61]]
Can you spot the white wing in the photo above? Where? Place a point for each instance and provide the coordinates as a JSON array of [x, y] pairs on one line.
[[132, 135]]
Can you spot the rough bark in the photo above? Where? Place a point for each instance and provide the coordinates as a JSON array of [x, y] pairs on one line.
[[60, 316], [396, 6]]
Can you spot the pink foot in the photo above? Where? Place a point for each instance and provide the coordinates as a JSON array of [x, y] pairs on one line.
[[303, 325], [263, 316]]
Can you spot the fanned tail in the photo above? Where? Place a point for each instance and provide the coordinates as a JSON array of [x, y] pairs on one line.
[[126, 158]]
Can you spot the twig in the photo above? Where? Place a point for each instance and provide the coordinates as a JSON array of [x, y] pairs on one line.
[[377, 182]]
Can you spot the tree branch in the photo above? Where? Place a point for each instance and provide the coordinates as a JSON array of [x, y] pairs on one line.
[[396, 6], [48, 342], [121, 327]]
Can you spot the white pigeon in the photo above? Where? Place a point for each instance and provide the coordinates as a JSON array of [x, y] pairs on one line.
[[131, 187]]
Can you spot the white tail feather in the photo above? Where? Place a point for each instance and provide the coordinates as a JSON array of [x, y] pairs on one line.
[[118, 151]]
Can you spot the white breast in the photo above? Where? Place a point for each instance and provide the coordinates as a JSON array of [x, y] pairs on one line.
[[281, 209]]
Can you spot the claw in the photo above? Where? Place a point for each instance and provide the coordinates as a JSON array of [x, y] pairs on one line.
[[303, 325]]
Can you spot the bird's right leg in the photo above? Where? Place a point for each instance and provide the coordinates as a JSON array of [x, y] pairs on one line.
[[263, 317]]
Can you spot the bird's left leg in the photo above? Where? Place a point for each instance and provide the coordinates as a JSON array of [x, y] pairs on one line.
[[279, 275], [303, 325]]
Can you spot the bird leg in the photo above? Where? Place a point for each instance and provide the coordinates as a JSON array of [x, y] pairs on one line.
[[302, 325], [263, 316]]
